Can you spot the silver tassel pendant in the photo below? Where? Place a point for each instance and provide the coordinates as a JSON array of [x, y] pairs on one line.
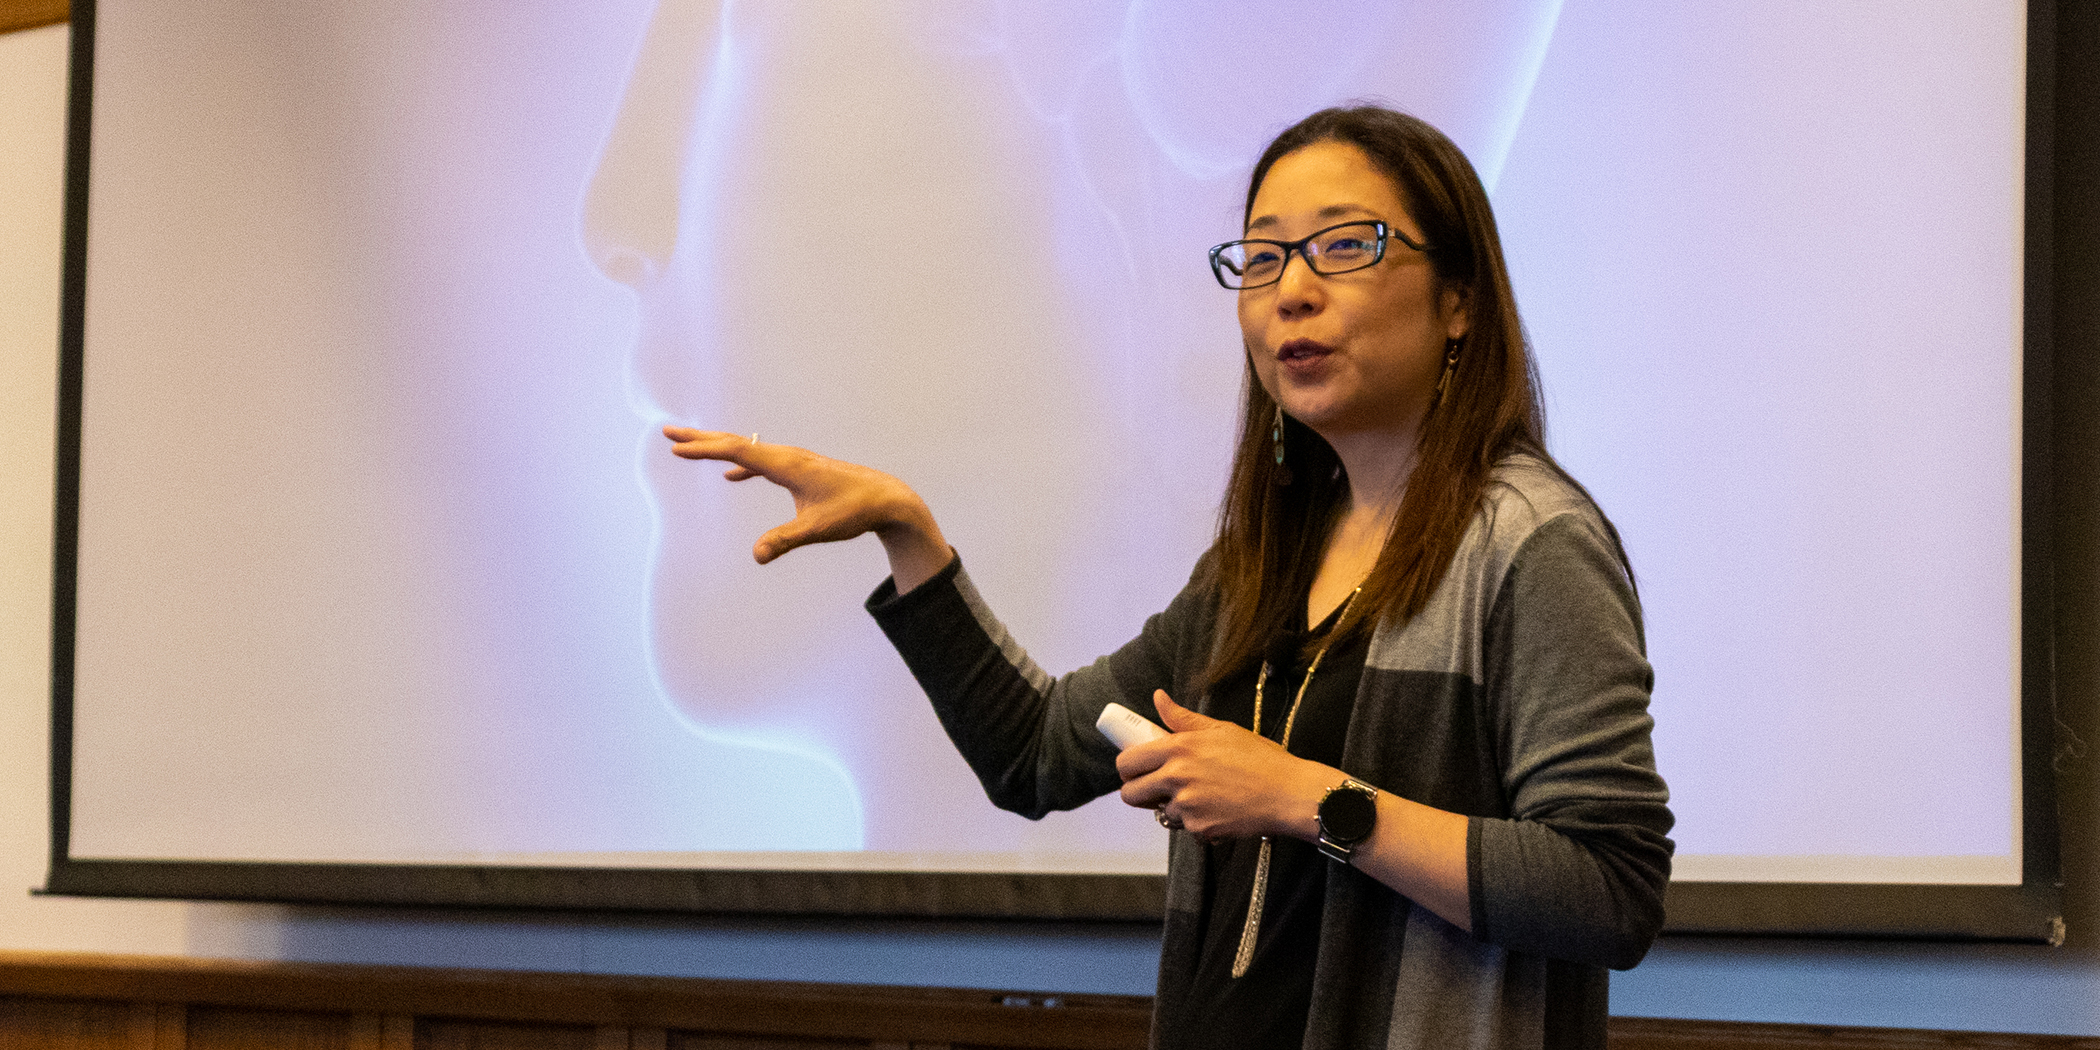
[[1245, 956]]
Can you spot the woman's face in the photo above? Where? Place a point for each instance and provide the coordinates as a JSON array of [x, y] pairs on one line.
[[1356, 352]]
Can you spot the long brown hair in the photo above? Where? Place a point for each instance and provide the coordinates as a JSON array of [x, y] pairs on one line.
[[1270, 534]]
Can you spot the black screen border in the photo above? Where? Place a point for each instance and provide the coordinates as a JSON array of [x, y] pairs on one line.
[[2061, 98]]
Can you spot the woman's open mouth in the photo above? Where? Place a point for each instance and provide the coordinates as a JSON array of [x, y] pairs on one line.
[[1302, 352]]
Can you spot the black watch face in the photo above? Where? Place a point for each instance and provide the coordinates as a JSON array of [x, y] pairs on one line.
[[1346, 815]]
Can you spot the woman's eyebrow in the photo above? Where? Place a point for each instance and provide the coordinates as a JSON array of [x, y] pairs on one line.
[[1332, 211]]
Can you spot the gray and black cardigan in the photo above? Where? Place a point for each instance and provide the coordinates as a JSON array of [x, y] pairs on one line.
[[1518, 697]]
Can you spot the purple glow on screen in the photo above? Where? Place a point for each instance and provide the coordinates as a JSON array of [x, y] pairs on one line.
[[415, 579]]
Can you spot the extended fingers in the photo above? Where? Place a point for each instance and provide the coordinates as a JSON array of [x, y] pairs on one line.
[[747, 458], [707, 444], [744, 450], [834, 500]]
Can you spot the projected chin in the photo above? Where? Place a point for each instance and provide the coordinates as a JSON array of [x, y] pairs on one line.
[[809, 292]]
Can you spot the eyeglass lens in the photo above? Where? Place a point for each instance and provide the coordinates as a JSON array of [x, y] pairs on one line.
[[1337, 249]]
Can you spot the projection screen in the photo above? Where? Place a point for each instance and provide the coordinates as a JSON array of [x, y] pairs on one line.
[[383, 588]]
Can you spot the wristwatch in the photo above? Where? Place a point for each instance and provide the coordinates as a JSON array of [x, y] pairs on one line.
[[1348, 812]]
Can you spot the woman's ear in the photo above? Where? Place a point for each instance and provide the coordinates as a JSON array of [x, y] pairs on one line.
[[1452, 301]]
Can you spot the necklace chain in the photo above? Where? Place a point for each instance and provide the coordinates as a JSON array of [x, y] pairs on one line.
[[1249, 933]]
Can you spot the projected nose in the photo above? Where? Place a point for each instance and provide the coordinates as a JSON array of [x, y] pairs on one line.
[[630, 210]]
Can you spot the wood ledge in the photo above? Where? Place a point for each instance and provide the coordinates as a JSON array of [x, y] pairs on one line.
[[31, 14], [759, 1008], [697, 1011], [1663, 1033]]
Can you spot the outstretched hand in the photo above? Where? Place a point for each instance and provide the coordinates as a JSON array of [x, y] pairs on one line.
[[834, 500], [1222, 781]]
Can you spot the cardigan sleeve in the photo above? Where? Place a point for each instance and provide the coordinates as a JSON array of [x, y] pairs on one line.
[[1578, 868], [1028, 736]]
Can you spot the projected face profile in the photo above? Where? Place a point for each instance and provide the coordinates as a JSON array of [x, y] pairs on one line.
[[389, 590], [963, 242]]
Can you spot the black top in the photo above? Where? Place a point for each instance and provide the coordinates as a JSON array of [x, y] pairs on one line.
[[1517, 697], [1268, 1006]]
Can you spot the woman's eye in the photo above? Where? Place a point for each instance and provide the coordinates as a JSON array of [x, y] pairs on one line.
[[1263, 260]]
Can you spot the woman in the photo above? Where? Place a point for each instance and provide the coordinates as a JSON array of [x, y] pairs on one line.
[[1415, 785]]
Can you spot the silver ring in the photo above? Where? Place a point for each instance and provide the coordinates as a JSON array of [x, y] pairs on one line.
[[1165, 821], [754, 437]]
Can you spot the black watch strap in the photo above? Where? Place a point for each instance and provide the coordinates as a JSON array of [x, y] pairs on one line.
[[1348, 812]]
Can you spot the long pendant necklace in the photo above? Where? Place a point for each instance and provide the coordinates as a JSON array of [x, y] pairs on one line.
[[1248, 933]]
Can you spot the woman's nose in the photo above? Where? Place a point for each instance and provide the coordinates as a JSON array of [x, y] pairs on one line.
[[630, 209], [1299, 291]]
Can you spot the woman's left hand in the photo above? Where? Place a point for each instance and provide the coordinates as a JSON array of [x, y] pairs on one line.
[[1222, 781]]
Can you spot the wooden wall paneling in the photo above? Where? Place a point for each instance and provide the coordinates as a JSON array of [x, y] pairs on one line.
[[858, 1015], [449, 1033], [696, 1041], [236, 1028], [96, 1002], [63, 1024], [29, 14], [159, 1026], [371, 1031]]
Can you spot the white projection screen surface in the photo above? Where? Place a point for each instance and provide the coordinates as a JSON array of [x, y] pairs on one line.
[[382, 569]]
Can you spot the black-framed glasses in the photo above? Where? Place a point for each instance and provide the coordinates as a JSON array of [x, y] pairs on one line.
[[1336, 249]]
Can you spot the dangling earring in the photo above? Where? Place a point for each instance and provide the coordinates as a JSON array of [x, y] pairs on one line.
[[1283, 473], [1450, 365]]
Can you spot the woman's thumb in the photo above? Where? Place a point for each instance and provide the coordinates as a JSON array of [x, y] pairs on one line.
[[1177, 718], [776, 542]]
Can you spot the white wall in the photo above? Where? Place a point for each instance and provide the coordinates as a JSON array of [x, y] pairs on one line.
[[1931, 986]]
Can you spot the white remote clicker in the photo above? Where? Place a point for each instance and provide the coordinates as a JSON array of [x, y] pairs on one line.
[[1124, 727]]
